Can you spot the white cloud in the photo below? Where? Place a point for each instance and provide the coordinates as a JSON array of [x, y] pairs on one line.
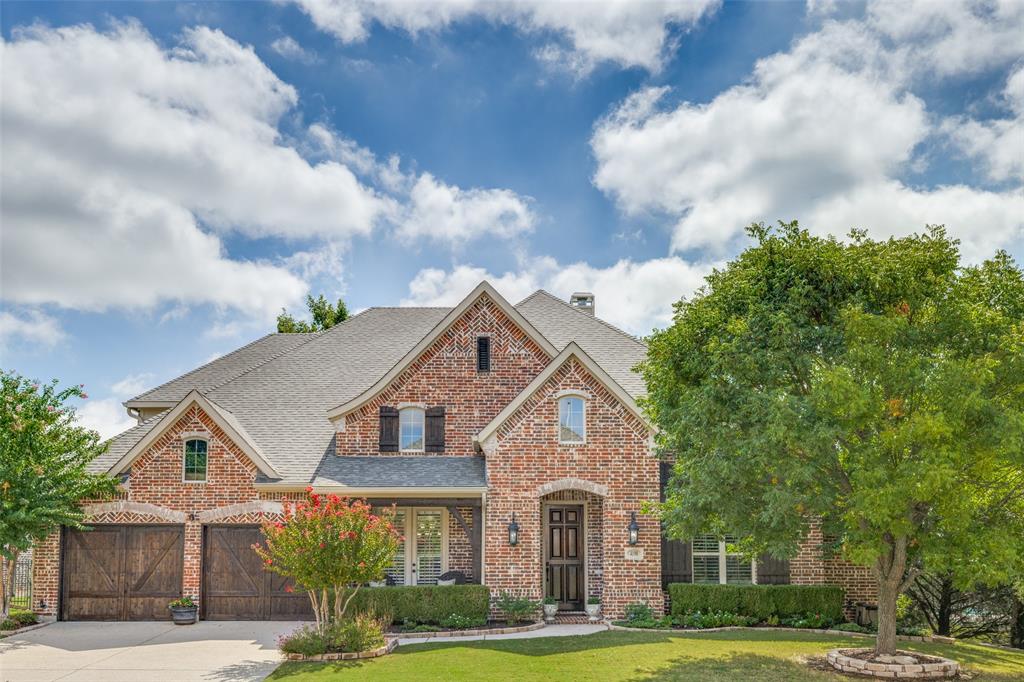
[[634, 295], [108, 417], [34, 328], [822, 132], [998, 145], [623, 32], [125, 162], [289, 48], [133, 384], [452, 215], [948, 38]]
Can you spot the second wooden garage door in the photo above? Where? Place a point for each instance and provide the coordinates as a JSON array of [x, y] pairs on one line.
[[235, 585], [121, 572]]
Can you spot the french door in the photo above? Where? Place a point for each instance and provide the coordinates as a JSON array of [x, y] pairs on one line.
[[421, 557]]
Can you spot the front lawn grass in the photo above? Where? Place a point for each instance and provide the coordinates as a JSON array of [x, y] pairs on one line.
[[744, 656]]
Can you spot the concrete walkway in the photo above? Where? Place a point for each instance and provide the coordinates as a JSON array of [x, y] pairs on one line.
[[546, 631], [209, 651]]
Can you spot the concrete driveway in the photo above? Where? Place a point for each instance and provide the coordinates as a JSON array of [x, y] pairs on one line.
[[143, 652]]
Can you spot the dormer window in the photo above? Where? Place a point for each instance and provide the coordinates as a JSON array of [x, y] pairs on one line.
[[483, 354], [572, 427], [410, 429], [195, 461]]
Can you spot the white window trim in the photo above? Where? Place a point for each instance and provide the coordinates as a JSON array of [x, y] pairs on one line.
[[184, 444], [723, 555], [423, 413], [558, 426], [409, 532]]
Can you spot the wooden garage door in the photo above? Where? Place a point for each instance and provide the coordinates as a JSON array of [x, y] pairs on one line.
[[121, 572], [235, 585]]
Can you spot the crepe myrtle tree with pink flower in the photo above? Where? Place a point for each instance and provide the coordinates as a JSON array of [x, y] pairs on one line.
[[330, 546]]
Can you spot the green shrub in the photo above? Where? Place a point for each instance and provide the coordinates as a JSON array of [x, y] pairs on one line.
[[714, 619], [362, 632], [517, 609], [640, 615], [639, 611], [850, 627], [757, 601], [912, 630], [809, 620], [23, 617], [424, 604], [458, 621]]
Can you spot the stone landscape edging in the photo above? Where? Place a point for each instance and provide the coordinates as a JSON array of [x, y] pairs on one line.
[[941, 668], [901, 638], [466, 633], [347, 656]]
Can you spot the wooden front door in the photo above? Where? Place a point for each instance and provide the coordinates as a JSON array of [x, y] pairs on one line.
[[563, 556], [235, 584], [121, 572]]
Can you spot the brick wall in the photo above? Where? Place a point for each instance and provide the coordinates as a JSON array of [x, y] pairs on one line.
[[813, 566], [460, 552], [526, 454], [445, 375]]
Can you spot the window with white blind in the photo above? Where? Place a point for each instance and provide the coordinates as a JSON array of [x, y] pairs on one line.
[[713, 563], [422, 556]]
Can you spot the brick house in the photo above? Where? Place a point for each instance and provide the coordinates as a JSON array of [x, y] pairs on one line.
[[508, 437]]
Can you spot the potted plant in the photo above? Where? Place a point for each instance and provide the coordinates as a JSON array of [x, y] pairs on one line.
[[184, 611], [550, 609], [593, 608]]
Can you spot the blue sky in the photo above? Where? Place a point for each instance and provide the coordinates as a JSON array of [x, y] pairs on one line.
[[174, 174]]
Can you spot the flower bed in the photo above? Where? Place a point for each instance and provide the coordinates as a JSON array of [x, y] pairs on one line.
[[387, 648], [904, 664]]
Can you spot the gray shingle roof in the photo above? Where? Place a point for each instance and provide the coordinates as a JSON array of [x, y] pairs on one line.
[[613, 349], [226, 367], [123, 442], [402, 472], [279, 389]]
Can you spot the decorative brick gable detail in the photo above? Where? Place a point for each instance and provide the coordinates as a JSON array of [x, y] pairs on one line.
[[525, 459], [445, 375]]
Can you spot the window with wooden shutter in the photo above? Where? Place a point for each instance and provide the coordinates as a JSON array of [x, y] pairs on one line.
[[388, 429], [435, 429], [483, 354]]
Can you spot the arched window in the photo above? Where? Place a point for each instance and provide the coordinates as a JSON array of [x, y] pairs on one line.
[[194, 461], [410, 429], [572, 421]]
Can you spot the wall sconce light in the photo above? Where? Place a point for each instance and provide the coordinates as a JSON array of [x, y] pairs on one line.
[[634, 529], [513, 531]]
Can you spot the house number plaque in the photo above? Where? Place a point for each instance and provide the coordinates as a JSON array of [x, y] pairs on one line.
[[634, 553]]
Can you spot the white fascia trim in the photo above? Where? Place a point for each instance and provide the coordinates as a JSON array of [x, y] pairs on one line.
[[595, 370], [441, 327], [472, 491], [223, 419]]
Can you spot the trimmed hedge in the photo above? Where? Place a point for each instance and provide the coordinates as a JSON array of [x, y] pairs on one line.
[[425, 604], [757, 601]]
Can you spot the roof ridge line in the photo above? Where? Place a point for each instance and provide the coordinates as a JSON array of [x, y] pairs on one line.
[[589, 315]]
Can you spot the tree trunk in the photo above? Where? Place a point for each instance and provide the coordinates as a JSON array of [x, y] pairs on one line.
[[889, 570], [1017, 624], [887, 593], [945, 606], [9, 564]]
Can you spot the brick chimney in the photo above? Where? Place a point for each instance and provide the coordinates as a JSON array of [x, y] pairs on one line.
[[583, 300]]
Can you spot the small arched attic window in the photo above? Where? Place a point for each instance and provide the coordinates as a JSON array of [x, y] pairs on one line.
[[194, 461], [572, 419]]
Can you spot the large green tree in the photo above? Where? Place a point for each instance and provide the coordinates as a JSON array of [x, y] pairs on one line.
[[876, 386], [323, 314], [44, 458]]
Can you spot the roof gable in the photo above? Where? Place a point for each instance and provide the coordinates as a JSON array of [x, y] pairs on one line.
[[484, 289], [570, 352], [223, 418]]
